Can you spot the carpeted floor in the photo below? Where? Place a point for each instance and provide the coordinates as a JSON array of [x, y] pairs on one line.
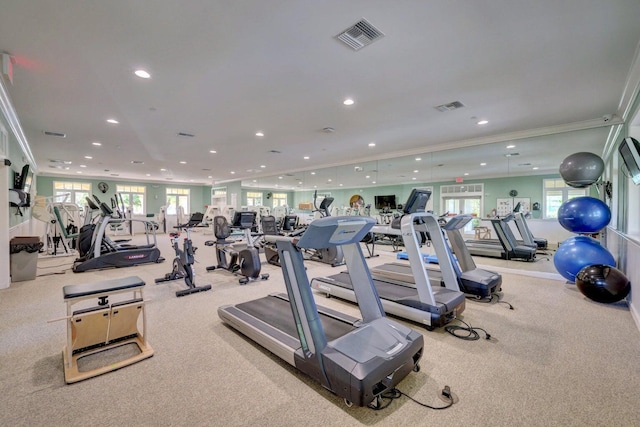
[[557, 359]]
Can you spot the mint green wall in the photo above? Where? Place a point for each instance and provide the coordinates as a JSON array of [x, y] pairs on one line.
[[265, 201], [199, 195], [494, 188]]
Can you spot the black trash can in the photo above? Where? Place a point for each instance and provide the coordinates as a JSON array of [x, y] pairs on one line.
[[23, 258]]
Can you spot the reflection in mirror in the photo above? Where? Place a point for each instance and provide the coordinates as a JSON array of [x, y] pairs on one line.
[[539, 155]]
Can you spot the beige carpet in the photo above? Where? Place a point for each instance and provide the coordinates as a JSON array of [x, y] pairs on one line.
[[556, 359]]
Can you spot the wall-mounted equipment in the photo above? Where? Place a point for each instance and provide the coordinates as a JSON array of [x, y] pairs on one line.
[[19, 196], [629, 149]]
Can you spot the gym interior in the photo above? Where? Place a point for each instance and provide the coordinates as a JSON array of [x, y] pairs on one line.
[[518, 115]]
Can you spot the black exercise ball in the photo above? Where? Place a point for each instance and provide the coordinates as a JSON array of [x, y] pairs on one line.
[[603, 283]]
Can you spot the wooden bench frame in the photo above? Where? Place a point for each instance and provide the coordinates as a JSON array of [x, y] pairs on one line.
[[105, 326]]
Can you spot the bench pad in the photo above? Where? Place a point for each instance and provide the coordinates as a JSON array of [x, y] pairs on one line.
[[105, 286]]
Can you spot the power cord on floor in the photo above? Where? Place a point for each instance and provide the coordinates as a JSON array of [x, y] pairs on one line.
[[500, 301], [394, 394], [471, 332]]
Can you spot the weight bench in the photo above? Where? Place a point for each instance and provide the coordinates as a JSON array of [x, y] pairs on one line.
[[105, 326]]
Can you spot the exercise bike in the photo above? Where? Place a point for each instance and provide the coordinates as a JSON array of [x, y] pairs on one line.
[[184, 259], [245, 262]]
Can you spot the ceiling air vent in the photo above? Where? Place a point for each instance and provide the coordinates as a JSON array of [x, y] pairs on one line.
[[511, 154], [56, 134], [186, 135], [449, 107], [360, 35]]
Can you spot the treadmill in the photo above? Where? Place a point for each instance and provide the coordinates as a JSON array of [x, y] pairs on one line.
[[357, 360], [432, 307], [521, 224], [527, 236], [471, 280], [506, 248]]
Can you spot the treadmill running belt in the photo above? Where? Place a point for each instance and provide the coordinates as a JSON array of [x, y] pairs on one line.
[[277, 313], [446, 300], [385, 290]]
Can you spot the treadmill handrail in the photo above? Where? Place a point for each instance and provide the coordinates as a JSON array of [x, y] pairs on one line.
[[423, 285]]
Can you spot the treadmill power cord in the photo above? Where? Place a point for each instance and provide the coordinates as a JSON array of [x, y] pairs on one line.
[[500, 301], [394, 393], [471, 332]]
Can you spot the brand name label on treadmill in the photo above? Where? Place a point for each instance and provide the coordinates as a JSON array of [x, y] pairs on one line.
[[138, 256]]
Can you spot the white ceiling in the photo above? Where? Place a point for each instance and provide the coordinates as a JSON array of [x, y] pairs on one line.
[[223, 70]]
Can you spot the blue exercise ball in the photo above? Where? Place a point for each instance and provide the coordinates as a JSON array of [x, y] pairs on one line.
[[578, 252], [584, 215], [582, 169], [603, 283]]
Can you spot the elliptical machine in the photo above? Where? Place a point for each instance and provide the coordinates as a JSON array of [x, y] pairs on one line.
[[332, 255], [245, 262], [184, 259]]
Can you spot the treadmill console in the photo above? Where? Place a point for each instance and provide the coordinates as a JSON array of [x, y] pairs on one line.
[[417, 201], [335, 231]]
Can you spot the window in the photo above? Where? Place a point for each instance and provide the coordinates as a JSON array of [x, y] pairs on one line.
[[133, 198], [75, 192], [177, 197], [254, 199], [279, 199], [555, 193]]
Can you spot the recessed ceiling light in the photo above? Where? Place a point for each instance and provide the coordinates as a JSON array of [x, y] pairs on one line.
[[418, 159], [88, 157], [182, 162], [466, 174], [83, 166], [372, 144], [210, 176], [348, 101], [96, 143], [142, 74], [232, 172], [190, 180], [78, 171], [415, 171], [340, 185], [414, 178], [263, 166], [483, 164], [213, 151], [329, 180], [483, 122], [535, 168], [306, 157], [113, 121], [148, 174], [367, 177], [255, 180], [259, 134], [163, 170], [373, 182], [511, 146], [279, 177]]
